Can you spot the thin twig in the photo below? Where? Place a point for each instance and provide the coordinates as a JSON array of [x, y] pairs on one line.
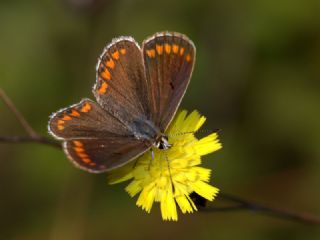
[[222, 209], [243, 204], [240, 203], [27, 139], [18, 115], [33, 135]]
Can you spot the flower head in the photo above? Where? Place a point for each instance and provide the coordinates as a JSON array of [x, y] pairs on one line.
[[173, 174]]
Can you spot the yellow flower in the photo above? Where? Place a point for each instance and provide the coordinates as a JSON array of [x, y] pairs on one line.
[[174, 173]]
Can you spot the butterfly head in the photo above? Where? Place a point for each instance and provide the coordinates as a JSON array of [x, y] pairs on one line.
[[162, 142]]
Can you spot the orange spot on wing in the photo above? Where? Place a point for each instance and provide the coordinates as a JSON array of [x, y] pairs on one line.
[[78, 143], [78, 149], [115, 55], [74, 113], [92, 164], [188, 58], [167, 47], [110, 63], [159, 49], [66, 118], [60, 122], [86, 107], [151, 53], [60, 127], [175, 48], [82, 155], [103, 88], [106, 74], [86, 160], [123, 51], [181, 51]]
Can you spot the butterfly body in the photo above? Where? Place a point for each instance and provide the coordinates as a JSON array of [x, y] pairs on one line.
[[145, 129], [138, 91]]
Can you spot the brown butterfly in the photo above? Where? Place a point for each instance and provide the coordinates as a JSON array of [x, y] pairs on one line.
[[138, 91]]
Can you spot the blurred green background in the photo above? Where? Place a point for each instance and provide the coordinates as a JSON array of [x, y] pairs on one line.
[[256, 78]]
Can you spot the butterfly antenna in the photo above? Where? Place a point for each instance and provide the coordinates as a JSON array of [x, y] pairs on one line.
[[181, 133], [135, 164], [194, 132]]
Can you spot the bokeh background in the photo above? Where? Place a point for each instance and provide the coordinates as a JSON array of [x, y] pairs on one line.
[[256, 78]]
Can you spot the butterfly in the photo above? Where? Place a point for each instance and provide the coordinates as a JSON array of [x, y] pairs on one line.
[[137, 91]]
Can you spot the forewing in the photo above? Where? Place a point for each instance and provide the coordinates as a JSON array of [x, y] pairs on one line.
[[169, 59], [121, 86], [101, 155], [86, 120]]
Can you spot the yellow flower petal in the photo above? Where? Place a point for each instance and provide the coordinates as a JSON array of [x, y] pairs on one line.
[[168, 206], [205, 190], [121, 174], [184, 204], [146, 198], [208, 144], [200, 123]]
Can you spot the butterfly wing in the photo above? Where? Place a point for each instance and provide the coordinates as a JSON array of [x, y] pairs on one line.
[[95, 140], [121, 85], [85, 119], [169, 59], [100, 155]]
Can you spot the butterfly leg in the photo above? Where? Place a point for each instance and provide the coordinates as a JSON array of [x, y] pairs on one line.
[[135, 164], [152, 158], [169, 169]]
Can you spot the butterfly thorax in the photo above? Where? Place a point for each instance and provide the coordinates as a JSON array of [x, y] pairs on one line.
[[146, 130], [162, 142]]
